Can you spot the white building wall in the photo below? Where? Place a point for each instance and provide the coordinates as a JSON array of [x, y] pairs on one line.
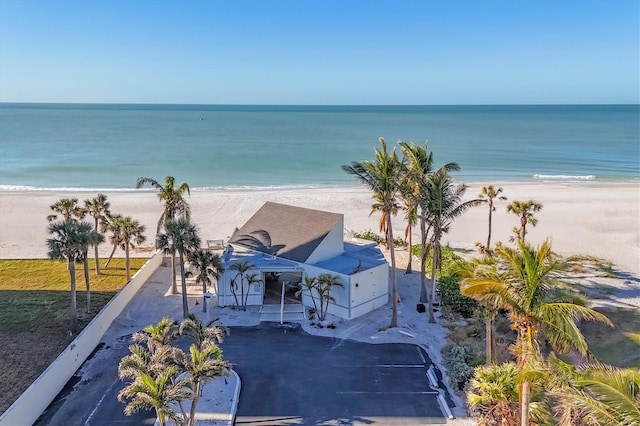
[[369, 290], [331, 246]]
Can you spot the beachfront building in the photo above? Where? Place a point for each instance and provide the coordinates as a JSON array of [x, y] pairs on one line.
[[286, 243]]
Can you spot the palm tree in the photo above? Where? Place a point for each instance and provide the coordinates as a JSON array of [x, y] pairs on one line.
[[383, 177], [594, 393], [324, 284], [443, 205], [203, 363], [309, 284], [91, 238], [98, 208], [113, 226], [419, 168], [525, 282], [524, 209], [487, 195], [66, 244], [159, 391], [198, 331], [130, 233], [242, 267], [411, 216], [491, 305], [209, 266], [180, 236], [251, 279], [172, 196], [68, 208]]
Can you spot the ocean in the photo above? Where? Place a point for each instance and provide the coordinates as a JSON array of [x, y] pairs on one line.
[[108, 146]]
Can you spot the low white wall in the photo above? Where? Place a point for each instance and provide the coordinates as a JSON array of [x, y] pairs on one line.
[[26, 409]]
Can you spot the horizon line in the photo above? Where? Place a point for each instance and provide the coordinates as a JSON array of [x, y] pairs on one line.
[[317, 105]]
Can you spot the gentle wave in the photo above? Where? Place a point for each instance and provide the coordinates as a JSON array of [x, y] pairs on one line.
[[565, 177], [28, 188]]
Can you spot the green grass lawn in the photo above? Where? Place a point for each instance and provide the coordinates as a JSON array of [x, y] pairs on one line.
[[34, 315]]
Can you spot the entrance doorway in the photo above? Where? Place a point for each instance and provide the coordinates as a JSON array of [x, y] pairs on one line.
[[276, 281]]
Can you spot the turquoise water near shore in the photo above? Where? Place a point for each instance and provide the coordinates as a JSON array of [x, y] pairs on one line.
[[53, 146]]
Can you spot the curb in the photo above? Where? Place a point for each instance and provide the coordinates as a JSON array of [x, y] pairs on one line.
[[236, 398]]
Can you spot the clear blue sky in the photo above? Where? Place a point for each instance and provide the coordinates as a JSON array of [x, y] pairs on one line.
[[320, 52]]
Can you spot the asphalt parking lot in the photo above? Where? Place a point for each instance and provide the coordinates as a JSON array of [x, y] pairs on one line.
[[288, 377], [291, 377]]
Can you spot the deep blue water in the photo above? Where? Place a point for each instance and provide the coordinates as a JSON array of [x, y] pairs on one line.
[[109, 145]]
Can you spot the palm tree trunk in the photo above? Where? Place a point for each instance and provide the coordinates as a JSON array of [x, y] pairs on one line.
[[409, 270], [204, 298], [246, 297], [115, 246], [161, 419], [524, 405], [126, 261], [95, 251], [185, 306], [73, 315], [489, 338], [489, 237], [432, 318], [86, 281], [523, 228], [424, 296], [174, 285], [394, 283], [194, 403], [244, 307]]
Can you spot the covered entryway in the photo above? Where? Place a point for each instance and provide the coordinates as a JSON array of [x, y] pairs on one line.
[[281, 300]]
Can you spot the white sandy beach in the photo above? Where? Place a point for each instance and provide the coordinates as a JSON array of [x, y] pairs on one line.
[[599, 219]]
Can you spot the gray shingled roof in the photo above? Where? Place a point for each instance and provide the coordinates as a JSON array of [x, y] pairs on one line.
[[286, 231]]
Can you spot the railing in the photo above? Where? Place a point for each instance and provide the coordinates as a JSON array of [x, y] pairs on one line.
[[284, 283]]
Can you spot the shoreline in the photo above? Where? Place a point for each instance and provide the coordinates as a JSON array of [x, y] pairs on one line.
[[590, 217]]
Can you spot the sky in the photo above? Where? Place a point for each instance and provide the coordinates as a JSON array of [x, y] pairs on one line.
[[320, 52]]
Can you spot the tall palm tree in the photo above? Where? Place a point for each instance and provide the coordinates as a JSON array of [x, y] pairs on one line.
[[410, 208], [66, 244], [525, 282], [92, 238], [68, 208], [172, 196], [419, 168], [241, 267], [487, 195], [443, 205], [98, 209], [209, 266], [525, 210], [251, 279], [131, 233], [383, 177], [180, 236], [473, 269], [113, 225]]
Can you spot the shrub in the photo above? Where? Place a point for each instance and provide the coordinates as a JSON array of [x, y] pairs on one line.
[[460, 362], [371, 235], [452, 298], [449, 260]]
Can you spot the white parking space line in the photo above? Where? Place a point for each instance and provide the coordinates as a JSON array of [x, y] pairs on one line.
[[388, 393], [88, 422]]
